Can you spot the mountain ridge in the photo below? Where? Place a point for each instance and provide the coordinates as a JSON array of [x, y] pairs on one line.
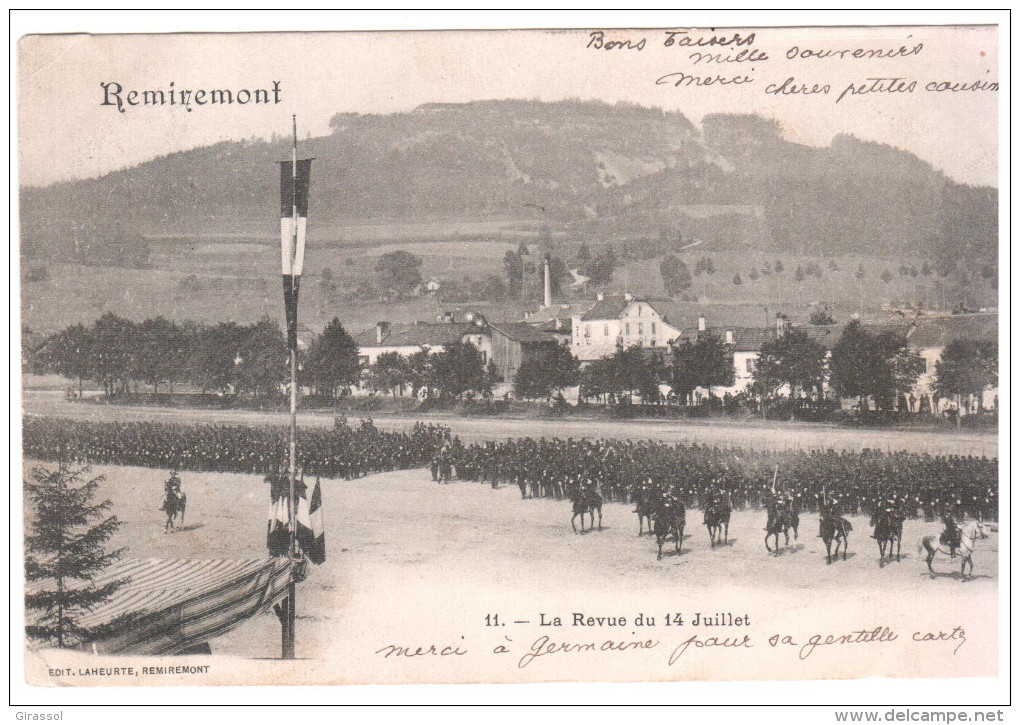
[[590, 170]]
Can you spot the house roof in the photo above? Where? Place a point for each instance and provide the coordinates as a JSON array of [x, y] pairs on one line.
[[560, 325], [609, 307], [416, 334], [825, 335], [745, 339], [670, 310], [560, 311], [924, 332], [522, 332], [940, 331]]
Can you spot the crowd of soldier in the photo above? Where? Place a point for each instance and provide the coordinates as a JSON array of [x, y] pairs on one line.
[[857, 482], [340, 452]]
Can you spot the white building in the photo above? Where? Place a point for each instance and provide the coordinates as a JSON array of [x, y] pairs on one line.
[[617, 321], [408, 339]]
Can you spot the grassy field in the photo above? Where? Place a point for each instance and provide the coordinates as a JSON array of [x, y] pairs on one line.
[[220, 278]]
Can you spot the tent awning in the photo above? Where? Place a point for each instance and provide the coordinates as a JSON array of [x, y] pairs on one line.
[[170, 605]]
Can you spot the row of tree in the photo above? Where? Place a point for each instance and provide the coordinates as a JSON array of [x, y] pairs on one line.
[[879, 368], [121, 354], [249, 360], [252, 359], [453, 372]]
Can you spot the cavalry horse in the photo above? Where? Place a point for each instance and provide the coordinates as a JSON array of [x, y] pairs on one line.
[[781, 520], [969, 535], [717, 519], [586, 501], [174, 505], [888, 527], [644, 507], [834, 528], [670, 519]]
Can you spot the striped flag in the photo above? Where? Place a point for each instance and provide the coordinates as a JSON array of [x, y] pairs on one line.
[[311, 534], [295, 178], [278, 530]]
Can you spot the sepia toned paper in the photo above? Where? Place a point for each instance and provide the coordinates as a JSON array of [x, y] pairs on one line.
[[149, 189]]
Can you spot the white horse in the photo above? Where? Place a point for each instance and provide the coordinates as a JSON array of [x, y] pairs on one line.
[[969, 535]]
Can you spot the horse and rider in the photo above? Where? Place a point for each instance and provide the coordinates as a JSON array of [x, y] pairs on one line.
[[174, 501], [887, 521], [646, 497], [782, 516], [952, 534], [669, 519], [718, 507], [585, 499], [955, 539], [833, 527]]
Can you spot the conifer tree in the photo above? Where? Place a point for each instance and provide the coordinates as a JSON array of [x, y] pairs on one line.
[[65, 552]]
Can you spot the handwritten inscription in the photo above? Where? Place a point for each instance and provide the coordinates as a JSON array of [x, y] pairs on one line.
[[957, 635], [598, 41], [546, 647], [716, 643], [742, 49], [790, 87], [428, 650], [879, 85], [752, 55], [956, 87], [684, 39], [902, 52], [680, 79]]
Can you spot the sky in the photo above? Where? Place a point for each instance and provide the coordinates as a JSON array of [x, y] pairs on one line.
[[64, 132]]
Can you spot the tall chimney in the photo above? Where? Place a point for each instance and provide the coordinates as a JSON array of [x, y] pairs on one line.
[[701, 323], [729, 337], [780, 324], [382, 329], [548, 285]]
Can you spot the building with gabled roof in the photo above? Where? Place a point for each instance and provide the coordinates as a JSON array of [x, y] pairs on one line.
[[407, 339], [514, 343], [620, 321], [506, 344], [926, 335]]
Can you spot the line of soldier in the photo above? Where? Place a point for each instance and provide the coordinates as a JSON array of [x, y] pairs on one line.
[[853, 482], [341, 452], [857, 481]]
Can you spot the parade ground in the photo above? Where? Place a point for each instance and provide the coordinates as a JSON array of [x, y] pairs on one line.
[[412, 563]]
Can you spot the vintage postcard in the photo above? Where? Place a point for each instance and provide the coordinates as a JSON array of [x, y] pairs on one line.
[[510, 356]]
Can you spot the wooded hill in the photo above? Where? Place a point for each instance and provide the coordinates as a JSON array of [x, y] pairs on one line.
[[587, 169]]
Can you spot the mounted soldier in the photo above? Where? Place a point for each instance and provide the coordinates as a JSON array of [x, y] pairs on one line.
[[950, 536], [174, 500], [171, 491]]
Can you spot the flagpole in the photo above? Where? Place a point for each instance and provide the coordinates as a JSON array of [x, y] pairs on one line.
[[289, 635]]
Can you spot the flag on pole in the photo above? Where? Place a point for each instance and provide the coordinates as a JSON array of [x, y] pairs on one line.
[[311, 534], [295, 178], [278, 531]]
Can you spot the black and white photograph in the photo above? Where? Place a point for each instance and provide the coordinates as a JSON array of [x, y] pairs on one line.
[[593, 354]]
